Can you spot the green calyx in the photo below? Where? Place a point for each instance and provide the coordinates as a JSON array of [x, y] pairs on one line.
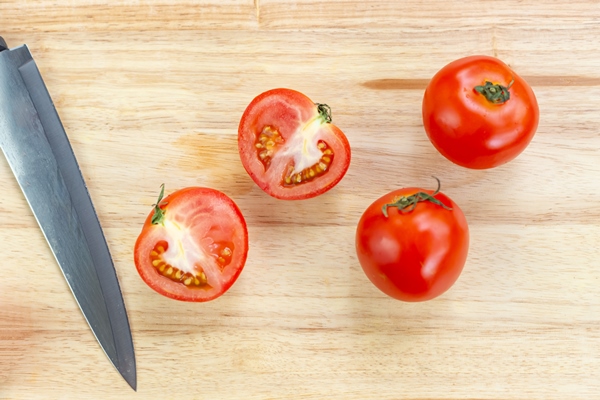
[[159, 214], [496, 94], [324, 112], [406, 204]]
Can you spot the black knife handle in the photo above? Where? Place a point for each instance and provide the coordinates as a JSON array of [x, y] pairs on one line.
[[3, 45]]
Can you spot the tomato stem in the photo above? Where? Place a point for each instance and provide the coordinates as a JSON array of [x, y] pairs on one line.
[[324, 112], [159, 214], [496, 94], [407, 204]]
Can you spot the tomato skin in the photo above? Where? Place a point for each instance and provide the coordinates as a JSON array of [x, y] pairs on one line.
[[290, 113], [416, 255], [203, 218], [468, 129]]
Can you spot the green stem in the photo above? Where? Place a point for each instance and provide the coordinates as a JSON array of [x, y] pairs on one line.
[[496, 94], [324, 112], [159, 214], [406, 204]]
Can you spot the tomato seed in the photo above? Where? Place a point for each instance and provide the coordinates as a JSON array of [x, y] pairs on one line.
[[266, 144], [175, 274]]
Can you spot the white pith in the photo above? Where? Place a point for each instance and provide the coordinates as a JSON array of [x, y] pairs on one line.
[[302, 147], [183, 252]]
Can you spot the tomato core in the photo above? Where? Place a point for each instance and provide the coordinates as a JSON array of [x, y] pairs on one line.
[[312, 172], [269, 141]]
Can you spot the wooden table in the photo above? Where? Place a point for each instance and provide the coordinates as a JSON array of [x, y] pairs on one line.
[[151, 92]]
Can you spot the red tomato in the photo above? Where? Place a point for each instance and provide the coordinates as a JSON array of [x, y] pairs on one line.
[[193, 245], [412, 243], [289, 146], [479, 113]]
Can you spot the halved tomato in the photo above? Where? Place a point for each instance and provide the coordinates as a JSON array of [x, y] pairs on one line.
[[193, 245], [289, 146]]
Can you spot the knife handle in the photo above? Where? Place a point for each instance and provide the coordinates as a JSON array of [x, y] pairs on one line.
[[3, 45]]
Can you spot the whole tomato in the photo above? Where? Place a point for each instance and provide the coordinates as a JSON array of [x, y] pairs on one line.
[[479, 113], [412, 243]]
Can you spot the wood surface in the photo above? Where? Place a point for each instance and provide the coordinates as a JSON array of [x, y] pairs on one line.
[[151, 92]]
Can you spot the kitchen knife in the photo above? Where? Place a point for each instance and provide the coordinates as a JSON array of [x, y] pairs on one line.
[[38, 151]]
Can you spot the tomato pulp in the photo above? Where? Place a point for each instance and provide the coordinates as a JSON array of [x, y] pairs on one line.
[[412, 243], [479, 113], [289, 146], [193, 245]]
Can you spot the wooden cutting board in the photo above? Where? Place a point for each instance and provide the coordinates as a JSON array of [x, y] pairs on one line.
[[151, 92]]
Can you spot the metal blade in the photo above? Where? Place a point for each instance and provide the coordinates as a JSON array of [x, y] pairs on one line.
[[41, 158]]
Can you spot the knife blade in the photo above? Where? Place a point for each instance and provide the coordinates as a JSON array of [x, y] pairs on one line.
[[40, 155]]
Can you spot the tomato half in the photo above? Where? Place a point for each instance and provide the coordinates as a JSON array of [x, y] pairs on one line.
[[412, 243], [289, 146], [193, 245], [479, 113]]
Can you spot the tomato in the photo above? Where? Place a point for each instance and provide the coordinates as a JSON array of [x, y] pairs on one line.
[[193, 245], [479, 113], [412, 243], [289, 146]]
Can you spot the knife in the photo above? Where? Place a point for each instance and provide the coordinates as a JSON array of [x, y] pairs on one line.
[[38, 151]]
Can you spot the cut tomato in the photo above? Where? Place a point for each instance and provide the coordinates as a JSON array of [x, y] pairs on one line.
[[289, 146], [193, 245]]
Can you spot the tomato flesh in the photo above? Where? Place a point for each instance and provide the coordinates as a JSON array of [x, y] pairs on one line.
[[412, 255], [197, 250], [289, 147], [467, 128]]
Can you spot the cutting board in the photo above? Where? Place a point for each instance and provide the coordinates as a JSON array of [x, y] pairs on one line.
[[152, 91]]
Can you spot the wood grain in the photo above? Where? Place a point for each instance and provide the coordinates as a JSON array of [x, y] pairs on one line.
[[151, 92]]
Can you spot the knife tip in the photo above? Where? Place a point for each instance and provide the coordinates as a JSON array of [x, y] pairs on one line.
[[128, 372], [131, 380]]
